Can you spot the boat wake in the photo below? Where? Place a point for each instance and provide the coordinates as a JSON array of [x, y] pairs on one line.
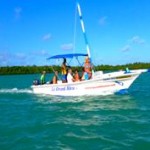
[[15, 90]]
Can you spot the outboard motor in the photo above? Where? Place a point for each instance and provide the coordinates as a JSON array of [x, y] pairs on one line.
[[36, 82]]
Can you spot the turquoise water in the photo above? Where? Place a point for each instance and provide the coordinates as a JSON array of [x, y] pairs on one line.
[[115, 122]]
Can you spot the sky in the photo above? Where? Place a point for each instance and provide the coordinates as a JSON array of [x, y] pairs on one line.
[[33, 30]]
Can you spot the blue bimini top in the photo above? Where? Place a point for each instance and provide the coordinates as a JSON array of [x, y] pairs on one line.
[[67, 56]]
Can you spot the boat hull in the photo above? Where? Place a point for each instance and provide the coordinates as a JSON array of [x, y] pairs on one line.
[[104, 84]]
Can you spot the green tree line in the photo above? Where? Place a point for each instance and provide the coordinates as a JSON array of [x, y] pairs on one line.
[[49, 69]]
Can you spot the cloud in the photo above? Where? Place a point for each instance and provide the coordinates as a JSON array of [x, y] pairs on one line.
[[40, 53], [4, 58], [20, 56], [12, 59], [126, 48], [44, 53], [18, 11], [47, 37], [21, 59], [137, 40], [68, 46], [102, 20], [131, 43]]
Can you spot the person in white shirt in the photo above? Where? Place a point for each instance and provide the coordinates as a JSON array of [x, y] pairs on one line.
[[70, 78]]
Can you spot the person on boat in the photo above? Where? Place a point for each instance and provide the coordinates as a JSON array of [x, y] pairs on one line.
[[55, 78], [64, 71], [76, 76], [42, 78], [70, 78], [127, 70], [87, 68], [84, 75]]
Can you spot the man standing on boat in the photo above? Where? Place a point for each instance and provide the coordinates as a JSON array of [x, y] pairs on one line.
[[42, 78], [64, 71]]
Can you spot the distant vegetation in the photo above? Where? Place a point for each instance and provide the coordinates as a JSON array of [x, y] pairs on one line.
[[38, 69]]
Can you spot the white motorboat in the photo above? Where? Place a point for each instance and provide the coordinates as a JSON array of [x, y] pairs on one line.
[[100, 83]]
